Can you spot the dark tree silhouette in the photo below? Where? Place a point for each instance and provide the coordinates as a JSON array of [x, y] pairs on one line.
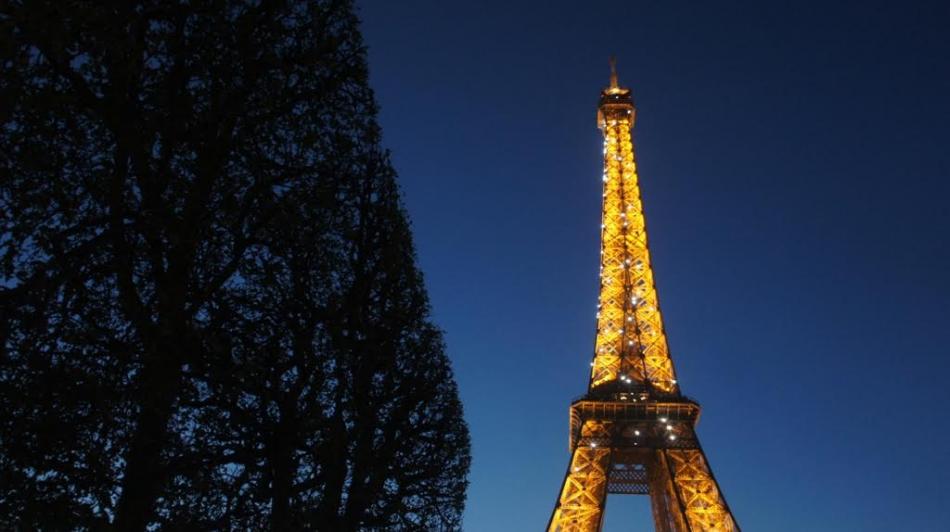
[[211, 313]]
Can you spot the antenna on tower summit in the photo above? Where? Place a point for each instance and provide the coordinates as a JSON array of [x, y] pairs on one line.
[[613, 73]]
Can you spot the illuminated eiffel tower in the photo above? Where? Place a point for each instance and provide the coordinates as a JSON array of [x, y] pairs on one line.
[[633, 433]]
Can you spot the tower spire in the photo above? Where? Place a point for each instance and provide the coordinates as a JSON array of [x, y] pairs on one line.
[[613, 73], [630, 346]]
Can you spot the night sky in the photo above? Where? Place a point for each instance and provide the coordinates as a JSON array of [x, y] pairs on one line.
[[794, 166]]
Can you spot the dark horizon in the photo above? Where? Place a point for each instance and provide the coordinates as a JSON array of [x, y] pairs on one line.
[[794, 171]]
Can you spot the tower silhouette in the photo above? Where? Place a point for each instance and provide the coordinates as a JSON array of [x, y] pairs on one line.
[[633, 432]]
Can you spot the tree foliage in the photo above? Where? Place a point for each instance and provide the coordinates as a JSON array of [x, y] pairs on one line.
[[212, 317]]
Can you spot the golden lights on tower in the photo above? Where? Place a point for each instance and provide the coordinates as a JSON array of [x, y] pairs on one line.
[[633, 433], [630, 343]]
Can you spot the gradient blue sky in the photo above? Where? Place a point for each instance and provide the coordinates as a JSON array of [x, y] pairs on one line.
[[794, 160]]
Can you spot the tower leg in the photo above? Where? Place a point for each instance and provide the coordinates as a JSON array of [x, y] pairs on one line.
[[699, 500], [667, 514], [580, 507]]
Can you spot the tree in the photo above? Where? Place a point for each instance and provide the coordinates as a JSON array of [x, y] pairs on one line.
[[212, 316]]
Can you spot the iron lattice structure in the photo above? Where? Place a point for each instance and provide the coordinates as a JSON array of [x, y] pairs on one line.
[[634, 432]]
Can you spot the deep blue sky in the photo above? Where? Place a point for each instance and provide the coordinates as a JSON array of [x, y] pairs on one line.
[[794, 161]]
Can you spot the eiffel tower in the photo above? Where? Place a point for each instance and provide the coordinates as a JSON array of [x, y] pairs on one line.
[[633, 432]]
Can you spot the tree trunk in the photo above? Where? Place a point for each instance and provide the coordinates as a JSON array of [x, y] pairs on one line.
[[145, 472], [282, 475]]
